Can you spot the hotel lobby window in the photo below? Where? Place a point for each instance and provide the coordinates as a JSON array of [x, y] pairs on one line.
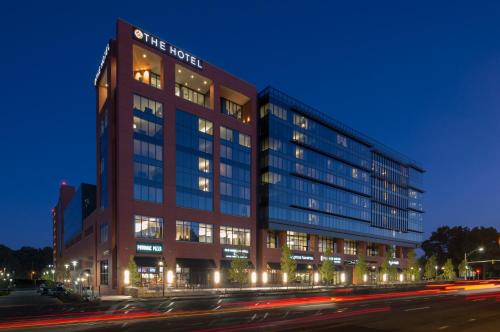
[[192, 86], [147, 67]]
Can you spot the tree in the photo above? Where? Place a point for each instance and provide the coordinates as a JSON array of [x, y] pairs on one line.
[[430, 268], [449, 270], [288, 264], [134, 275], [239, 268], [462, 269], [327, 268], [360, 269], [384, 268], [411, 271]]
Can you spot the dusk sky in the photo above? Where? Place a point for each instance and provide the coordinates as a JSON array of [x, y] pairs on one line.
[[423, 78]]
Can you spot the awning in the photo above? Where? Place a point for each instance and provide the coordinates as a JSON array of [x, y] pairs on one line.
[[146, 261], [226, 264], [274, 266], [196, 263]]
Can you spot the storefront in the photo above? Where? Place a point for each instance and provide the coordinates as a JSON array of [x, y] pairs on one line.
[[194, 273]]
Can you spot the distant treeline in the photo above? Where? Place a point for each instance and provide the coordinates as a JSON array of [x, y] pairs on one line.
[[25, 260]]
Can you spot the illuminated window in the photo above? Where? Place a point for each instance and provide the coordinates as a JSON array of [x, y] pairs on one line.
[[148, 227], [231, 108], [326, 244], [299, 153], [355, 173], [226, 170], [300, 121], [205, 126], [147, 67], [244, 140], [203, 165], [204, 184], [297, 241], [350, 247], [298, 136], [342, 140], [192, 87], [234, 236], [272, 239], [193, 232], [312, 203]]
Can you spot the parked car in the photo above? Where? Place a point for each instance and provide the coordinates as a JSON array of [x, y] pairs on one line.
[[59, 290]]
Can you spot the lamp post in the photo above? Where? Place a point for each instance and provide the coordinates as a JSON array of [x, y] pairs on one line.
[[480, 249]]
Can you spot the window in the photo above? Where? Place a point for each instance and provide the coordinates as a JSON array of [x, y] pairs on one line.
[[272, 239], [226, 134], [226, 170], [342, 140], [103, 233], [104, 268], [147, 67], [148, 106], [297, 241], [244, 140], [299, 153], [372, 249], [148, 150], [350, 247], [148, 227], [205, 126], [300, 121], [355, 173], [313, 203], [203, 165], [234, 236], [192, 87], [203, 184], [326, 244], [193, 232], [231, 108]]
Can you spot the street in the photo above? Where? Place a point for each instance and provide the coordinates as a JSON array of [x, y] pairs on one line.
[[445, 308]]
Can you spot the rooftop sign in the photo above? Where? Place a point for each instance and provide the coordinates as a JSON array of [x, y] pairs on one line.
[[167, 48]]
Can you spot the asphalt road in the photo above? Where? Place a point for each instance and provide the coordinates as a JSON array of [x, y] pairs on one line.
[[459, 311]]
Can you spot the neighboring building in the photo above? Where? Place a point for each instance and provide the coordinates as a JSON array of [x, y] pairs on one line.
[[179, 160], [326, 187]]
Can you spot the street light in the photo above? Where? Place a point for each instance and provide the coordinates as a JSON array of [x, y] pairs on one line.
[[479, 249]]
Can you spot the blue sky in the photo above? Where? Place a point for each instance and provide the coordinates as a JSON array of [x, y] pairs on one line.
[[421, 77]]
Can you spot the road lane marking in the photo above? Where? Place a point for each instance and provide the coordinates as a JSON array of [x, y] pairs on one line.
[[419, 308]]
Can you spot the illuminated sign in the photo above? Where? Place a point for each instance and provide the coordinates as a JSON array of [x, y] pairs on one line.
[[302, 257], [101, 65], [235, 253], [335, 260], [167, 48], [149, 248], [393, 262]]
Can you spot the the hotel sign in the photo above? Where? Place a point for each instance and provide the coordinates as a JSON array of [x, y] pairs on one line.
[[167, 48], [149, 248], [335, 260], [393, 262], [235, 253]]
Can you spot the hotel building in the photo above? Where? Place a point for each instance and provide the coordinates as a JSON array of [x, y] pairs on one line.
[[183, 146]]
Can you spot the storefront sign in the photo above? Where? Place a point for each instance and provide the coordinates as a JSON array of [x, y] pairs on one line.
[[149, 248], [302, 257], [235, 253], [101, 65], [167, 48], [393, 262], [335, 260]]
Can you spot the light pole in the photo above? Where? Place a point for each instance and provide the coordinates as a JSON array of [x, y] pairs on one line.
[[480, 249], [436, 267]]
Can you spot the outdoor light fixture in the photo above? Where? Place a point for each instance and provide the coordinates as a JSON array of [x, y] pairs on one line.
[[264, 277], [285, 278], [254, 277], [401, 277], [126, 277], [365, 277], [66, 266], [74, 263], [170, 277], [384, 277], [342, 277], [216, 277], [316, 277]]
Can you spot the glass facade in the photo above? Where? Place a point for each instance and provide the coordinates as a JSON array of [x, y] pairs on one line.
[[148, 227], [148, 149], [234, 236], [235, 171], [194, 162], [194, 232], [320, 174]]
